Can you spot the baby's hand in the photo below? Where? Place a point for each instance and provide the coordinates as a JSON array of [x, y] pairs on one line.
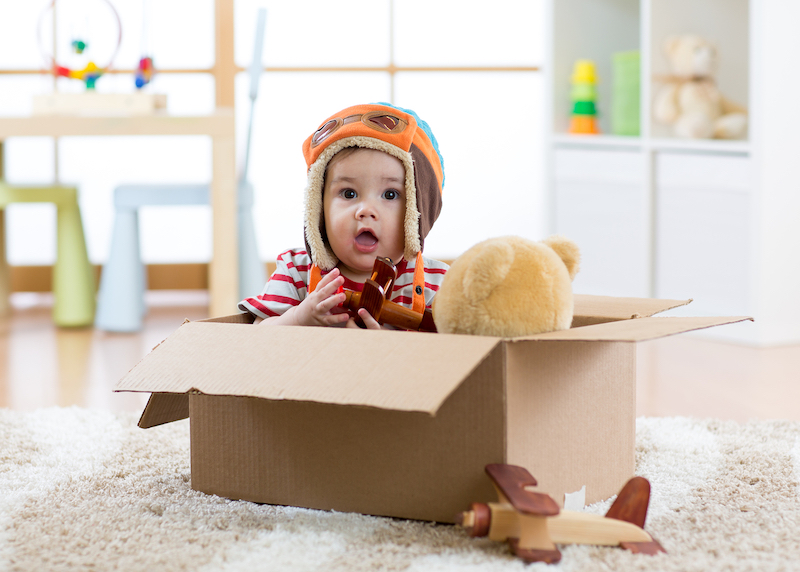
[[321, 307], [367, 318]]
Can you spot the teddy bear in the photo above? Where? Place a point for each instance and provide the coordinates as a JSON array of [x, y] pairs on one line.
[[508, 287], [689, 99]]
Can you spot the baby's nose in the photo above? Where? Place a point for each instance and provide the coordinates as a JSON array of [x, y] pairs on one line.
[[366, 209]]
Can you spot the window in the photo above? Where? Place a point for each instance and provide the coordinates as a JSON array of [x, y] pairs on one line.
[[470, 69]]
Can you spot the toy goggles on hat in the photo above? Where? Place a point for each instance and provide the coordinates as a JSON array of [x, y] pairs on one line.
[[377, 120], [400, 128]]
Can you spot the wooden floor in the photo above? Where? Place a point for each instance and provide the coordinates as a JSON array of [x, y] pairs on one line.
[[43, 366]]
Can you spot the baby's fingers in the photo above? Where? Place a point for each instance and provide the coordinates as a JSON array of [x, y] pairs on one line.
[[335, 318], [369, 321], [334, 276], [330, 303]]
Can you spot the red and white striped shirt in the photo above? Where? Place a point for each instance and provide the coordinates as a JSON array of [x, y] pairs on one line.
[[288, 285]]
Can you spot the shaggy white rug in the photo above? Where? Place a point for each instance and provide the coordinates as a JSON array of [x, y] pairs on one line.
[[84, 489]]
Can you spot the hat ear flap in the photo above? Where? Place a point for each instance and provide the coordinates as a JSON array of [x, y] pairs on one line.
[[427, 204]]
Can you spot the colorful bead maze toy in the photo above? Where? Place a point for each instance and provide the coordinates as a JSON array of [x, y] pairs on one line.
[[144, 72], [95, 28]]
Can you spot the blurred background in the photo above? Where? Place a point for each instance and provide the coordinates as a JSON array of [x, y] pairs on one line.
[[472, 74], [655, 215]]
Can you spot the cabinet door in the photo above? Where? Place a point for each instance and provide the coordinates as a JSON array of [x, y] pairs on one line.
[[703, 237], [602, 204]]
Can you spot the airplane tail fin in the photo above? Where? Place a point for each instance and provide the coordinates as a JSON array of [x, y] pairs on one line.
[[632, 502]]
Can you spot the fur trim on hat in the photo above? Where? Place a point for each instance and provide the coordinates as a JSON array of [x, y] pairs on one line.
[[320, 252]]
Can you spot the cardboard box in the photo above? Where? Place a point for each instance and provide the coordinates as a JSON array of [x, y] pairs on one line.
[[402, 423]]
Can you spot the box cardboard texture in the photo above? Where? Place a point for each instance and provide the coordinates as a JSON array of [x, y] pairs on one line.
[[402, 423]]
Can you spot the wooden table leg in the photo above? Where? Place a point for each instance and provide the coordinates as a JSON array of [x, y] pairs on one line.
[[223, 277], [5, 271]]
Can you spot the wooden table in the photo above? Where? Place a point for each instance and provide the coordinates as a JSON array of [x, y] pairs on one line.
[[223, 274]]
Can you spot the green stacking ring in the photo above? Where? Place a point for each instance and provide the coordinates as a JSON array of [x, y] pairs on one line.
[[584, 108], [583, 92]]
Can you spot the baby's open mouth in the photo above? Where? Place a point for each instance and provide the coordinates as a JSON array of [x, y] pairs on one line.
[[366, 238]]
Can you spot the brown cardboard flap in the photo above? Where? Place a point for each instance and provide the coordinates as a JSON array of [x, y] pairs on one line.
[[245, 318], [164, 408], [600, 309], [636, 330], [404, 371]]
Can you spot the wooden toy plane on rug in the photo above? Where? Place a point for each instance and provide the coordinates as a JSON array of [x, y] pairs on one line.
[[533, 523]]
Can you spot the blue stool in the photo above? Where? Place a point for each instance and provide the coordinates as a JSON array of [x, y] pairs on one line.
[[120, 302]]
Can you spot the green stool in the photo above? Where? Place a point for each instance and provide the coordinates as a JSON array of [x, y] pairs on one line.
[[73, 277]]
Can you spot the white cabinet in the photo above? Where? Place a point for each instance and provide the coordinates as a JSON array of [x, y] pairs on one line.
[[703, 237], [599, 205], [655, 215]]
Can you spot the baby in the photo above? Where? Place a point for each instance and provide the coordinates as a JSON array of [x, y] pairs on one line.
[[375, 179]]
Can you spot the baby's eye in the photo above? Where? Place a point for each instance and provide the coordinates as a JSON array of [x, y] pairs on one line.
[[349, 194], [391, 194]]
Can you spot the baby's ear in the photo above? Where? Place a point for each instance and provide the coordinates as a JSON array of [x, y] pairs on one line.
[[567, 251]]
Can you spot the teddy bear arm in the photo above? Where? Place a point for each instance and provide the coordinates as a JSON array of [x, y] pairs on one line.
[[665, 106], [731, 126], [729, 106], [695, 125]]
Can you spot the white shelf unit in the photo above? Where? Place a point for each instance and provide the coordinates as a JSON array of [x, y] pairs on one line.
[[658, 216]]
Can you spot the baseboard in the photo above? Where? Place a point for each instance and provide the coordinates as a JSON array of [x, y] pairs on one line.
[[159, 277]]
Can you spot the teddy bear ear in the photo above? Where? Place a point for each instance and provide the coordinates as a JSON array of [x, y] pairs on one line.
[[567, 251]]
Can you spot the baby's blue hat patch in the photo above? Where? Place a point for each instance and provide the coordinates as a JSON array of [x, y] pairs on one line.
[[425, 127]]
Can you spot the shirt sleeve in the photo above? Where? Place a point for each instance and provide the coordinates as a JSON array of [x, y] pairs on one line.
[[286, 288], [435, 271]]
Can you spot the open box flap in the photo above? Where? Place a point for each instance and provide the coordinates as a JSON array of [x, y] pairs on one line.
[[600, 309], [638, 330], [164, 408], [395, 370]]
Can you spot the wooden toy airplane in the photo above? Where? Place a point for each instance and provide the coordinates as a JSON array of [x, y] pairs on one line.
[[375, 298], [533, 523]]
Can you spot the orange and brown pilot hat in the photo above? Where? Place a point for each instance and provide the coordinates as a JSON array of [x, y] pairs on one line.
[[393, 130]]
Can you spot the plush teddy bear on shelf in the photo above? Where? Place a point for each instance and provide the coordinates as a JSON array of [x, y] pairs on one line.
[[509, 287], [689, 99]]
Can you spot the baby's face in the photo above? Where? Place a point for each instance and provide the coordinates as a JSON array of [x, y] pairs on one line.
[[364, 203]]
